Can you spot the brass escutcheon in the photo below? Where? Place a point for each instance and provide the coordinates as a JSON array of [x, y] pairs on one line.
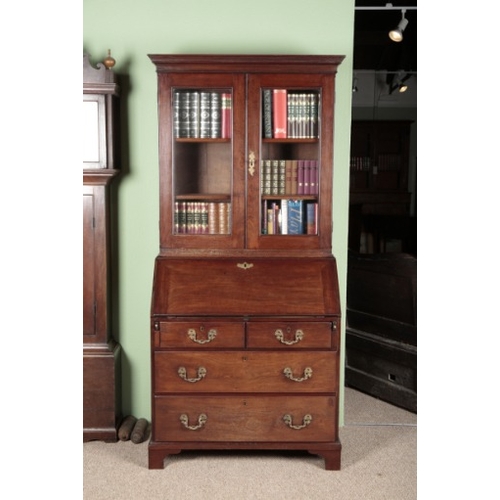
[[251, 163], [244, 265]]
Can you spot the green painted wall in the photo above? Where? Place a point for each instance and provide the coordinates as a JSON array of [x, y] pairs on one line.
[[132, 29]]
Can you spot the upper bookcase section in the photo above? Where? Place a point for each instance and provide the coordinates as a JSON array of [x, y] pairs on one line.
[[232, 131]]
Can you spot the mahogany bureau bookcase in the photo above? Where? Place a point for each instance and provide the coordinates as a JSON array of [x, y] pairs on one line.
[[245, 313]]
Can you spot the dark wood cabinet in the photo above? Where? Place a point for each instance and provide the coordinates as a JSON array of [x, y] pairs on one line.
[[245, 317], [101, 353], [379, 192]]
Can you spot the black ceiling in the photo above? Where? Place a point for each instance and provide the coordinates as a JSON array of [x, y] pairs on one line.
[[373, 49]]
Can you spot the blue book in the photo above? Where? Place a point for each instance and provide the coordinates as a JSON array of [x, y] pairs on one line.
[[296, 217]]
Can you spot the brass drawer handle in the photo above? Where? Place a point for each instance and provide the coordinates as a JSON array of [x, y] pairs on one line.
[[202, 420], [299, 335], [305, 421], [308, 372], [212, 333], [202, 371]]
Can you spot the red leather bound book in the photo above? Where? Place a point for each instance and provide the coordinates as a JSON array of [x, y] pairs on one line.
[[280, 113]]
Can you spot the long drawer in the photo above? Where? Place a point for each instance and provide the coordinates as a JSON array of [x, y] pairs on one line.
[[245, 418], [245, 371]]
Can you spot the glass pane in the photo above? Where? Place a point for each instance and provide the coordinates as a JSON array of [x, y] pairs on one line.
[[202, 161], [290, 161]]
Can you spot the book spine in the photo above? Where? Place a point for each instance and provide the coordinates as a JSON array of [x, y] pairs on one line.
[[194, 114], [176, 217], [311, 218], [307, 177], [295, 217], [295, 177], [266, 176], [226, 112], [204, 218], [204, 115], [274, 176], [263, 217], [284, 216], [176, 112], [280, 113], [184, 114], [281, 176], [300, 176], [215, 115], [213, 218], [313, 186], [270, 221], [288, 177], [267, 115], [223, 218]]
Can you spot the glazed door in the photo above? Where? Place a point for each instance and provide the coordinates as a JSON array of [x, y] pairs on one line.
[[289, 171], [201, 123]]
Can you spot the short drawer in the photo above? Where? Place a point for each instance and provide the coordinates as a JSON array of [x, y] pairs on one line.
[[307, 335], [201, 335], [245, 371], [245, 418]]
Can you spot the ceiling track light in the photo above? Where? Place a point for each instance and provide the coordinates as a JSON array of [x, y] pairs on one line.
[[396, 35], [399, 82], [355, 85]]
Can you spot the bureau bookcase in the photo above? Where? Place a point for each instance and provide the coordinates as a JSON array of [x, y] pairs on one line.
[[245, 312]]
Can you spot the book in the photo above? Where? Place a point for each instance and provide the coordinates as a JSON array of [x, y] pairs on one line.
[[288, 177], [267, 115], [226, 111], [274, 176], [266, 176], [183, 104], [300, 176], [296, 218], [295, 178], [313, 184], [292, 115], [311, 218], [281, 176], [280, 113], [204, 115], [284, 216], [215, 115], [307, 177], [314, 115], [194, 114]]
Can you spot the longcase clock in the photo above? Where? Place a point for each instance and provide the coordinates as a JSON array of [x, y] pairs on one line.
[[101, 353]]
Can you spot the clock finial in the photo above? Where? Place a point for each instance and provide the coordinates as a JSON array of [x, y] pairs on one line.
[[109, 62]]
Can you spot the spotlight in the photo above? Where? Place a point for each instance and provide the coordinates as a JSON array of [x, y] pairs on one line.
[[396, 35], [403, 87], [398, 82]]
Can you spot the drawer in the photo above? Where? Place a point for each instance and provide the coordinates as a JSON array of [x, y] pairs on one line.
[[245, 371], [245, 418], [278, 335], [200, 335]]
